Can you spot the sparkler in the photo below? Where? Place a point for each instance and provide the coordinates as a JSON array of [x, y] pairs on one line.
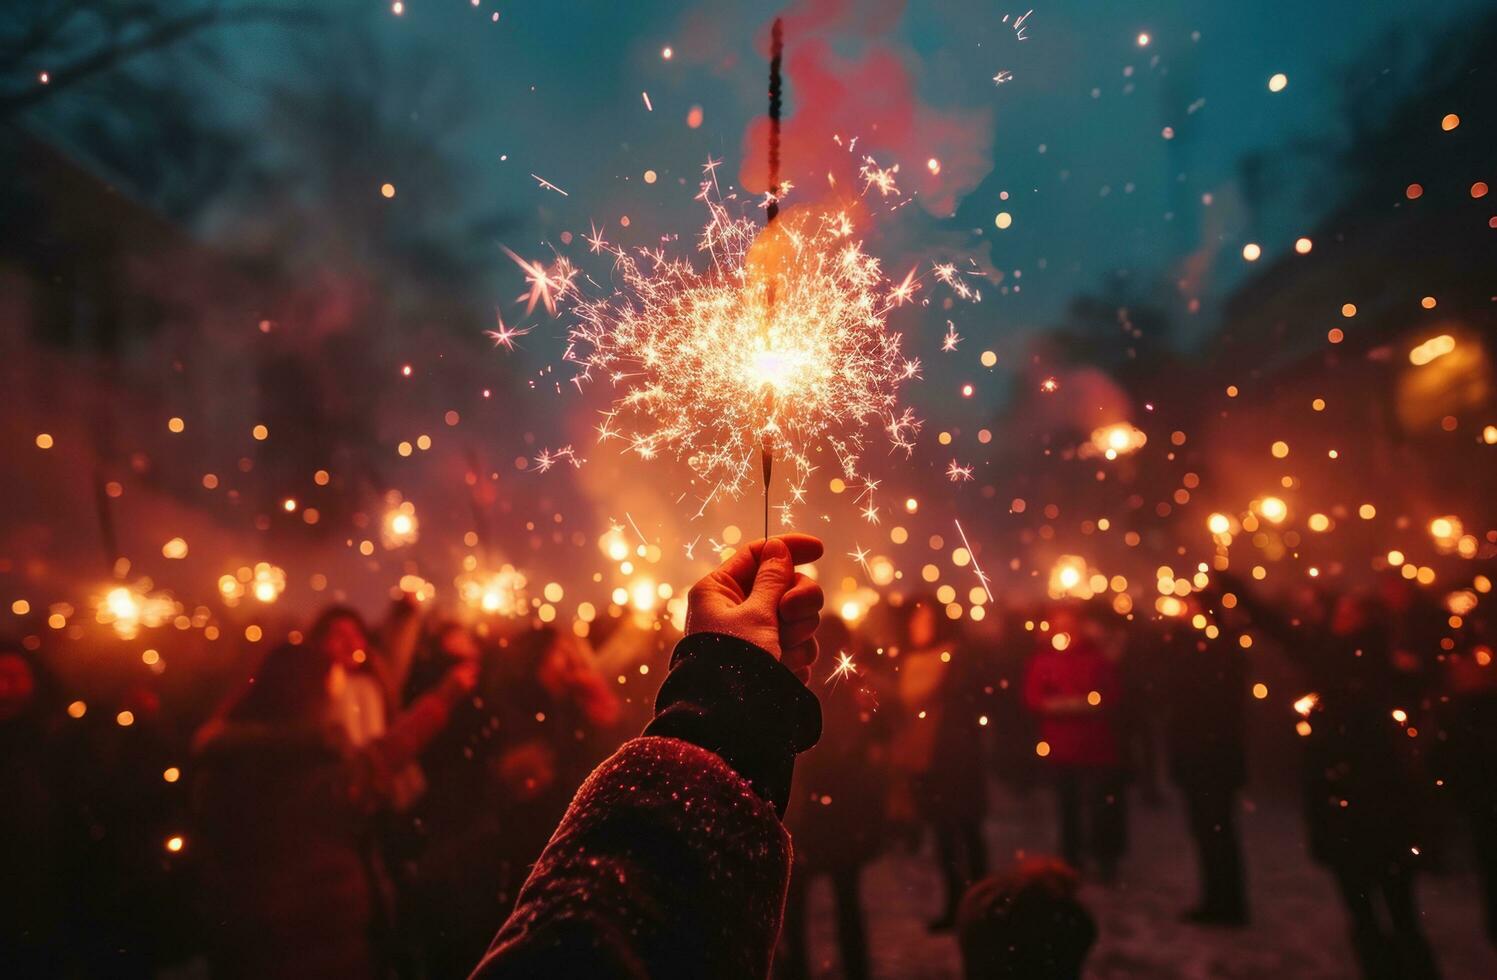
[[500, 593], [778, 346], [400, 525]]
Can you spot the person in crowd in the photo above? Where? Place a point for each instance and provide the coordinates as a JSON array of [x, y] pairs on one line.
[[1015, 731], [1205, 692], [374, 673], [1469, 752], [118, 816], [554, 719], [1072, 687], [1026, 924], [940, 746], [284, 795], [451, 839], [835, 815], [31, 849], [1363, 791], [671, 860]]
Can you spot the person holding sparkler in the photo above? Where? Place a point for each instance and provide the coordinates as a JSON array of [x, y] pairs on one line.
[[671, 860]]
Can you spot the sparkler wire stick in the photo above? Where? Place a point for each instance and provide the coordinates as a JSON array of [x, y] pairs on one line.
[[776, 53]]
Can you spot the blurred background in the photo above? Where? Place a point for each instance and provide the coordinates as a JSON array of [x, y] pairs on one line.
[[1236, 315]]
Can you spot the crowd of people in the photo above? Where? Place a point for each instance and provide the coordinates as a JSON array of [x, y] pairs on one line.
[[371, 800]]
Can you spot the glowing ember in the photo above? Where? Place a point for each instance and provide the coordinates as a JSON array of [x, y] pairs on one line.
[[401, 527], [500, 593], [128, 609]]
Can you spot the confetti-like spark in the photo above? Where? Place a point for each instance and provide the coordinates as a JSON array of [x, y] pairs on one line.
[[546, 185], [952, 338], [845, 667], [956, 472], [982, 578], [781, 336], [504, 336], [550, 457], [859, 554], [642, 539], [875, 176], [1020, 25], [547, 283]]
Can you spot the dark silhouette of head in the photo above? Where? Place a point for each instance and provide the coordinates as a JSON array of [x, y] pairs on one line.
[[1025, 924], [340, 633], [290, 685]]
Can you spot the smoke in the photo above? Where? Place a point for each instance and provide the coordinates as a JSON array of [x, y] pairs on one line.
[[868, 94]]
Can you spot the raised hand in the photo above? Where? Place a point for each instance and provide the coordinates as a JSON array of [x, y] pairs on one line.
[[758, 596]]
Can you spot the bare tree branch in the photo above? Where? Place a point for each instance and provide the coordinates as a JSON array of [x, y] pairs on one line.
[[114, 53]]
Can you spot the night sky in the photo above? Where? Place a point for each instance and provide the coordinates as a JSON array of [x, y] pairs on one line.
[[1097, 194]]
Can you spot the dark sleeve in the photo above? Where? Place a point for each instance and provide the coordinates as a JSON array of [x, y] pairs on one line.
[[667, 864], [671, 860], [735, 700]]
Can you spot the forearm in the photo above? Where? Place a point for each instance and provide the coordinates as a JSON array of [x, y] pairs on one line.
[[667, 864], [671, 860], [735, 700], [418, 724]]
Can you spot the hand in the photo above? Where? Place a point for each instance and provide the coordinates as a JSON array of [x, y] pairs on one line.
[[758, 596]]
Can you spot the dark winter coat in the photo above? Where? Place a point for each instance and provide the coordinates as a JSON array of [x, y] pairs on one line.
[[671, 860], [1205, 691]]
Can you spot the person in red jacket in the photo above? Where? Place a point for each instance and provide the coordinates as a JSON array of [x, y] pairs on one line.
[[1072, 688], [671, 860]]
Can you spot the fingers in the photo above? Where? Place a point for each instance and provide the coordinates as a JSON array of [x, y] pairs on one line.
[[800, 657], [774, 575], [803, 599], [797, 631], [804, 549]]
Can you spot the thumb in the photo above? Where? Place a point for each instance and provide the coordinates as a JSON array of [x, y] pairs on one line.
[[776, 572]]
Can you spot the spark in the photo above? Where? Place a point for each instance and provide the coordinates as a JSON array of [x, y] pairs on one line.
[[902, 293], [845, 667], [859, 554], [546, 185], [881, 177], [596, 243], [952, 338], [1020, 25], [648, 107], [546, 284], [630, 518], [982, 578], [550, 457], [779, 333], [956, 473], [1049, 386], [1004, 76], [505, 335], [690, 547]]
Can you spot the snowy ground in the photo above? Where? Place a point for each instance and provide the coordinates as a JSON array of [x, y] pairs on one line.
[[1298, 929]]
